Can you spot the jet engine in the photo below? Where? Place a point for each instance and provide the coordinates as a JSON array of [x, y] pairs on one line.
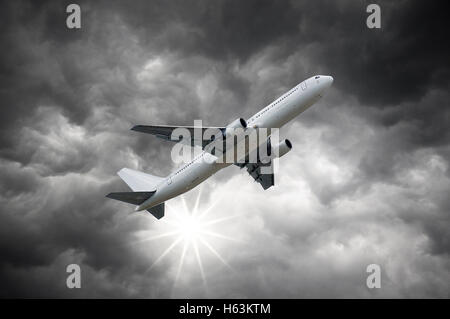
[[282, 148], [238, 123]]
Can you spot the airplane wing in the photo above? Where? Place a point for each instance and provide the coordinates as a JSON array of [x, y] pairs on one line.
[[265, 177], [165, 132]]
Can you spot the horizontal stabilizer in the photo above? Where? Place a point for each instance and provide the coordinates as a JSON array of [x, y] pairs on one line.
[[135, 198], [139, 181], [157, 211]]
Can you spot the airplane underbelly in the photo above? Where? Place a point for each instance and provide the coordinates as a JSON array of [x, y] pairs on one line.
[[188, 180], [280, 116], [200, 173], [292, 109]]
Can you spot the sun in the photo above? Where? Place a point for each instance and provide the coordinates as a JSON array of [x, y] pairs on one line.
[[191, 229]]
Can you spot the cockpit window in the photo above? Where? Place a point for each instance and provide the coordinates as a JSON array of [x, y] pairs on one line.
[[316, 77]]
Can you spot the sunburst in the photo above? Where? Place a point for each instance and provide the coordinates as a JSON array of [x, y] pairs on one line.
[[190, 229]]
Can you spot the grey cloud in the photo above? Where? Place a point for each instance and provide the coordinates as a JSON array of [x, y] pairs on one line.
[[366, 182]]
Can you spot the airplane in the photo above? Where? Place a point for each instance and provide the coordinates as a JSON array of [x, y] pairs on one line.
[[150, 192]]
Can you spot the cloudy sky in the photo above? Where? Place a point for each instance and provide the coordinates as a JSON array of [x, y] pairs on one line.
[[367, 181]]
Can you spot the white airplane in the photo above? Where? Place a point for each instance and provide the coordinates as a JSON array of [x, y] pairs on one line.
[[150, 192]]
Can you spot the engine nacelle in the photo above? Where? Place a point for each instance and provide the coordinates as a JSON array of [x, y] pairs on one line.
[[282, 148], [238, 123]]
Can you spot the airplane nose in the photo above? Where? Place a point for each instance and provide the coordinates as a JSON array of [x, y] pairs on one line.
[[328, 81]]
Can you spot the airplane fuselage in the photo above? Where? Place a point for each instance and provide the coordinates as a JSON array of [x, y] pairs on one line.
[[274, 115]]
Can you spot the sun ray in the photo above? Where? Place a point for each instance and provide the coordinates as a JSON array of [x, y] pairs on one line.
[[194, 228], [165, 253], [200, 265], [204, 242], [174, 223], [172, 211], [214, 234], [197, 201], [218, 220], [186, 209], [168, 234], [180, 266], [206, 211]]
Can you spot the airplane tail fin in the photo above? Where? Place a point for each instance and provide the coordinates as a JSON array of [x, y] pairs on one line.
[[143, 186], [137, 198]]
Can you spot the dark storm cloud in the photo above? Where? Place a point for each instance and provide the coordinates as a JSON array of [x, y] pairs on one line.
[[370, 168]]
